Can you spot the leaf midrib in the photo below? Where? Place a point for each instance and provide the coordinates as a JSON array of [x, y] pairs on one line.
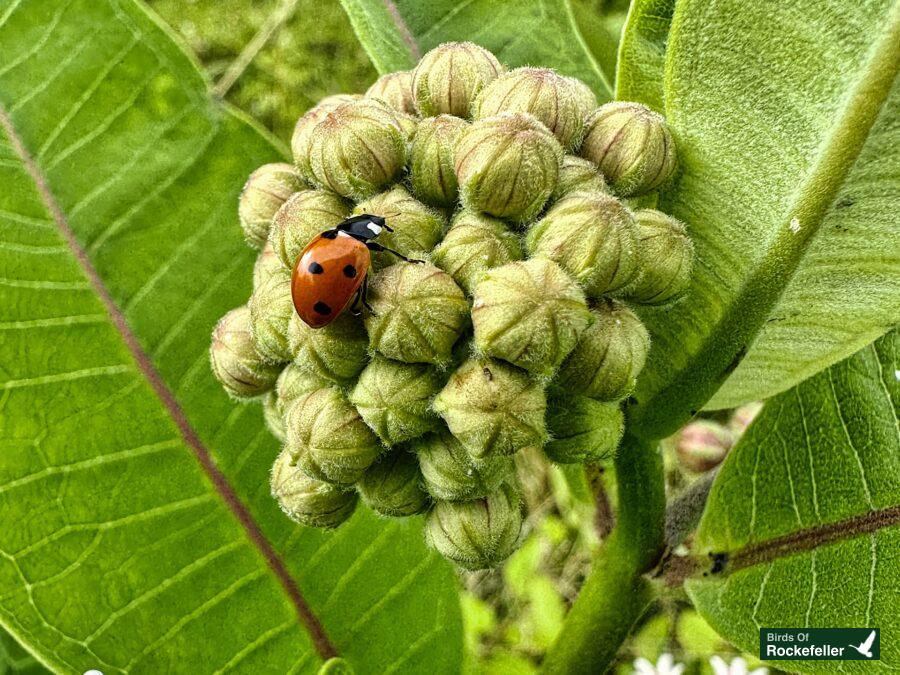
[[694, 384], [223, 488]]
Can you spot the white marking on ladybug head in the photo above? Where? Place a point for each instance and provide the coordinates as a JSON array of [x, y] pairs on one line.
[[373, 228], [341, 233]]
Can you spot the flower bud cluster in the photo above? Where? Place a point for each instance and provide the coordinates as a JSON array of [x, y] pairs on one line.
[[510, 331]]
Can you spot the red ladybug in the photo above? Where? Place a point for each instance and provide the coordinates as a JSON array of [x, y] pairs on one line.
[[332, 271]]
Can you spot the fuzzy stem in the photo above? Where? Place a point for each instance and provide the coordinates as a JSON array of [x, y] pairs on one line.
[[615, 594]]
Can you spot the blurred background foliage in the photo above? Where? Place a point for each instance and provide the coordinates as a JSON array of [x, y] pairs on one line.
[[274, 59]]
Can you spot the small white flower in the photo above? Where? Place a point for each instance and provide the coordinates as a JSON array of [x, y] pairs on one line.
[[664, 666], [738, 666]]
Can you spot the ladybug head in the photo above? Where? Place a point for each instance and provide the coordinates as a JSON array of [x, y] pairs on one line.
[[364, 226]]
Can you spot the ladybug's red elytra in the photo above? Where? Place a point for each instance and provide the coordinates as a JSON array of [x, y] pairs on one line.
[[331, 274]]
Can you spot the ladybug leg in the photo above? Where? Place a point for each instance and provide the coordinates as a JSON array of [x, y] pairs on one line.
[[375, 246], [354, 306], [364, 294]]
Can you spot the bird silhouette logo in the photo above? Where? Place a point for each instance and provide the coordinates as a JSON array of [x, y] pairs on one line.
[[865, 648]]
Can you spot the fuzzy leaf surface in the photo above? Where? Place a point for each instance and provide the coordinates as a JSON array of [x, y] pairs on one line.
[[395, 34], [137, 533], [807, 509], [787, 121]]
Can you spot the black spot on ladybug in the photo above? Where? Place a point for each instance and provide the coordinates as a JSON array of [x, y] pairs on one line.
[[349, 271], [315, 268], [321, 308], [330, 234]]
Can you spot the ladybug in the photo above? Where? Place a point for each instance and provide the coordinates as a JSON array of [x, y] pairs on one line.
[[331, 274]]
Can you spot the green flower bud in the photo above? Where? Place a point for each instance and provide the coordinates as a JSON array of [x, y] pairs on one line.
[[419, 313], [609, 356], [337, 352], [303, 217], [702, 445], [578, 175], [273, 415], [555, 100], [234, 359], [450, 76], [632, 145], [590, 235], [271, 308], [357, 149], [666, 256], [417, 228], [476, 534], [529, 313], [293, 383], [328, 439], [588, 101], [450, 472], [493, 408], [395, 89], [306, 500], [394, 399], [409, 125], [583, 430], [301, 140], [473, 244], [264, 192], [432, 176], [507, 165], [393, 486], [267, 264]]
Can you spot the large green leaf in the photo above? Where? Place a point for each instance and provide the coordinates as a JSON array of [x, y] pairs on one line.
[[787, 118], [136, 529], [807, 510], [395, 33], [642, 53], [14, 660]]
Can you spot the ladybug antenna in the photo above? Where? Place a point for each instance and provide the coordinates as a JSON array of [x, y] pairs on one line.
[[390, 215]]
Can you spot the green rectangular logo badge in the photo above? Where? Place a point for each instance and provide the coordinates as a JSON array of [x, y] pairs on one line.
[[819, 644]]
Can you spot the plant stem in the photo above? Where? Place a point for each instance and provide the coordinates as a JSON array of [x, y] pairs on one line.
[[615, 594]]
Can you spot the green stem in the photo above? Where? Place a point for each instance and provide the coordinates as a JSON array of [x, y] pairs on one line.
[[615, 594]]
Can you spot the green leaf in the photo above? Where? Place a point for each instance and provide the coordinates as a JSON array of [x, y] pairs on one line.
[[395, 33], [600, 24], [14, 660], [138, 532], [787, 123], [807, 510], [642, 53]]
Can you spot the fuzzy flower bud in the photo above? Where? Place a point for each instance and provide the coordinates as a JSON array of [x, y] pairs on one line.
[[609, 355], [632, 145], [337, 352], [555, 100], [476, 534], [264, 192], [294, 382], [473, 244], [666, 256], [393, 486], [305, 127], [583, 430], [578, 175], [507, 165], [308, 501], [419, 313], [267, 263], [235, 362], [417, 228], [529, 313], [450, 472], [394, 399], [357, 148], [493, 408], [702, 445], [272, 415], [450, 76], [590, 235], [271, 309], [395, 89], [432, 176], [302, 217], [328, 439]]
